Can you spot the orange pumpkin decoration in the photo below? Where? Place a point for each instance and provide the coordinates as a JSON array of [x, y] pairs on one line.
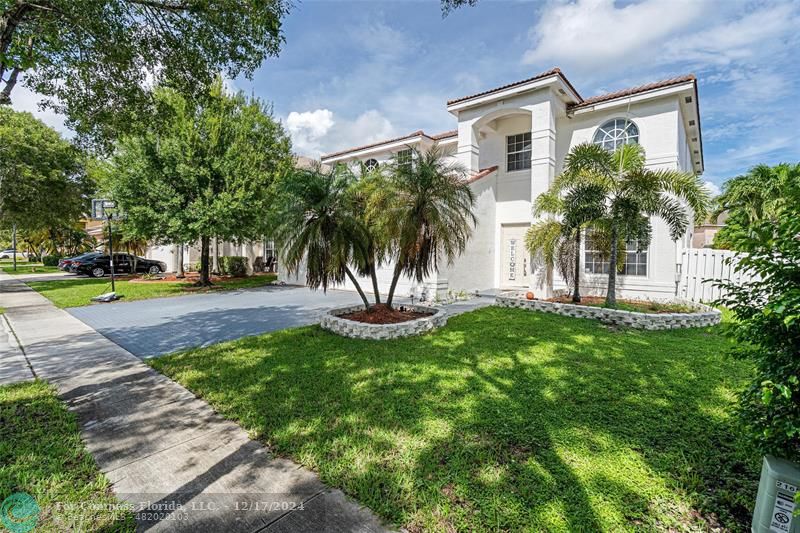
[[529, 295]]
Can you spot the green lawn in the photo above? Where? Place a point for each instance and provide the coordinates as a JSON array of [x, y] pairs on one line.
[[27, 268], [76, 292], [41, 454], [503, 420]]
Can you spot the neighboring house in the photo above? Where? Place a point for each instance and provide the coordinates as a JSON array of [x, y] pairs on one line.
[[513, 140], [704, 233]]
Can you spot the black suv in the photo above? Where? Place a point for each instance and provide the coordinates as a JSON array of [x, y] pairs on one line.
[[99, 265]]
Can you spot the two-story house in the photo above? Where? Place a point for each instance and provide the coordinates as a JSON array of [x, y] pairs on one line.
[[513, 140]]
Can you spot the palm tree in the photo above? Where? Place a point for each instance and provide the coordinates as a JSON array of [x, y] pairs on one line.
[[632, 194], [316, 222], [757, 194], [556, 238], [425, 211]]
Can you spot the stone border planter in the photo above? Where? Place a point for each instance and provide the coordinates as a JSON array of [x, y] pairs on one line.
[[705, 315], [333, 322]]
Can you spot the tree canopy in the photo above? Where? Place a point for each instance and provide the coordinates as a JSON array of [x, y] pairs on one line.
[[758, 195], [96, 61], [201, 171], [43, 183]]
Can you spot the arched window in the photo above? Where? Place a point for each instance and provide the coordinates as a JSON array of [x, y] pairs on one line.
[[615, 133], [370, 165]]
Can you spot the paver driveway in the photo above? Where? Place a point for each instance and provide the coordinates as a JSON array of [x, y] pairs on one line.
[[149, 328]]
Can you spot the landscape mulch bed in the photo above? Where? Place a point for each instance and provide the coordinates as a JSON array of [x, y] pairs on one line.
[[382, 314]]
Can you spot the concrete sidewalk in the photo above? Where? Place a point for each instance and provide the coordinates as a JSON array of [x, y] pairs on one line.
[[160, 444]]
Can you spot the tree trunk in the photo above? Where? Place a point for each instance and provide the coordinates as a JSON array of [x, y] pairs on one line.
[[179, 259], [393, 286], [358, 288], [216, 256], [375, 290], [611, 291], [576, 291], [205, 261]]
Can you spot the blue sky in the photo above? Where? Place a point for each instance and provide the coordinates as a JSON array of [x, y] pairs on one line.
[[356, 72]]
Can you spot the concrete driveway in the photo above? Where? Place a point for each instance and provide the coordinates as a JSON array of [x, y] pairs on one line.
[[149, 328]]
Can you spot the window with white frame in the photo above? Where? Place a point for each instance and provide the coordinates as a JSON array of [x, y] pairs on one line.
[[371, 164], [518, 152], [405, 158], [616, 132], [596, 260]]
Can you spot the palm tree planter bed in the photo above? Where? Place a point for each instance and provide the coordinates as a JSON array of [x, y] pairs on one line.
[[702, 316], [421, 320]]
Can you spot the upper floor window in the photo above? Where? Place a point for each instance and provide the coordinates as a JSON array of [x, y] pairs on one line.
[[596, 260], [615, 133], [405, 158], [518, 152], [370, 165]]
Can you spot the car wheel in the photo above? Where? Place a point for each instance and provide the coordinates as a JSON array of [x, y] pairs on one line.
[[98, 272], [154, 269]]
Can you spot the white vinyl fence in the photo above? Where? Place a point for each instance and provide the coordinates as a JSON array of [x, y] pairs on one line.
[[701, 266]]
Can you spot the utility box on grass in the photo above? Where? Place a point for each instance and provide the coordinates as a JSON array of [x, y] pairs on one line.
[[775, 505]]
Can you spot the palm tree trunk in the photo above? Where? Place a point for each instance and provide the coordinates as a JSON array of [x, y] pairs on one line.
[[611, 291], [358, 288], [375, 291], [393, 286], [576, 292]]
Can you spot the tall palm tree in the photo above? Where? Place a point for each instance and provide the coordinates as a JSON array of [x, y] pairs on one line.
[[315, 221], [632, 194], [425, 209]]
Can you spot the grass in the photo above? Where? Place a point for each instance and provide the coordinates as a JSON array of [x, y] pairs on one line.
[[36, 268], [505, 419], [77, 292], [41, 453]]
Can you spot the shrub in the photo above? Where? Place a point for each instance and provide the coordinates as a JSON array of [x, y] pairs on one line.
[[767, 329], [51, 260], [233, 265]]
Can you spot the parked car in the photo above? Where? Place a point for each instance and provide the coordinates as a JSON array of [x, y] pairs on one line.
[[9, 254], [100, 265], [65, 264]]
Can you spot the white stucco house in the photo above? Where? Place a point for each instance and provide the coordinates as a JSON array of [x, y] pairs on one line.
[[513, 139]]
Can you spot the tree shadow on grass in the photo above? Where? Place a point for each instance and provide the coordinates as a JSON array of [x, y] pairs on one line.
[[505, 419]]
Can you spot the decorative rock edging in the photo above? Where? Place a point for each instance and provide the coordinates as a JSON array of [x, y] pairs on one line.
[[333, 322], [705, 315]]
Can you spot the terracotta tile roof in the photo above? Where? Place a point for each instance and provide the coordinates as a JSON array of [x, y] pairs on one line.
[[418, 133], [444, 135], [634, 90], [482, 174], [552, 72]]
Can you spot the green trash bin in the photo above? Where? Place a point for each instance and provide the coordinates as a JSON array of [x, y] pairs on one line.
[[775, 505]]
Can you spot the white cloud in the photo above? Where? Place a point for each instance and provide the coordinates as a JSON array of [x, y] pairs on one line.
[[317, 132], [308, 128], [601, 38], [712, 188], [596, 34]]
